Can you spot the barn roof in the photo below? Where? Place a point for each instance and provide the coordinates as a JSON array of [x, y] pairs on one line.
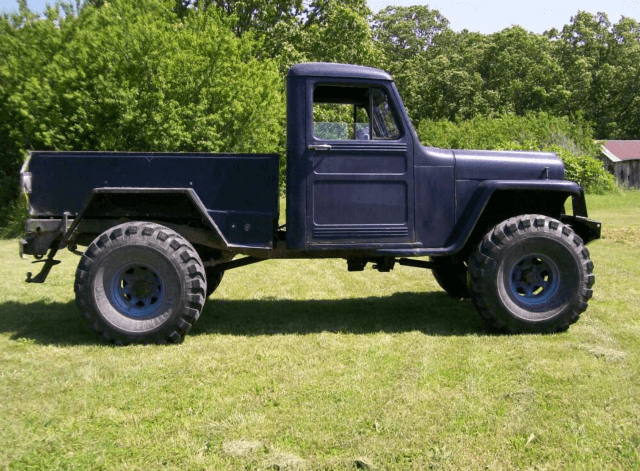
[[617, 151]]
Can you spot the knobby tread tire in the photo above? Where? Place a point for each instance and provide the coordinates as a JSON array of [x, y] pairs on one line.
[[451, 276], [214, 278], [162, 242], [484, 266]]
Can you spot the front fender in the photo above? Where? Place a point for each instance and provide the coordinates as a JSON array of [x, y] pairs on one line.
[[485, 190]]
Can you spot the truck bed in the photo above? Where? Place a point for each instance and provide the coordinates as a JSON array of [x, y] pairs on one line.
[[232, 187]]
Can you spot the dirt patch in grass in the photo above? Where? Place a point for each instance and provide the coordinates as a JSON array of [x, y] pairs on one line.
[[242, 448], [279, 460], [629, 235], [609, 354], [256, 453]]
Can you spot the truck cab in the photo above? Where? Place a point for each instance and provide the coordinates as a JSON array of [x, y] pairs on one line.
[[350, 160]]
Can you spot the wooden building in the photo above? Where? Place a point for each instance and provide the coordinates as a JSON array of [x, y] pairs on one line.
[[622, 158]]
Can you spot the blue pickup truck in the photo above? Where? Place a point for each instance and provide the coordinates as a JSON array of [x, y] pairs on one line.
[[158, 230]]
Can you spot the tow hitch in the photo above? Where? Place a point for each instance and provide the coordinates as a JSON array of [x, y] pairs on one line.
[[41, 242], [49, 263]]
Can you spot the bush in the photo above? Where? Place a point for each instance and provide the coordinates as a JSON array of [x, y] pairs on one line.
[[587, 171], [15, 219], [132, 76]]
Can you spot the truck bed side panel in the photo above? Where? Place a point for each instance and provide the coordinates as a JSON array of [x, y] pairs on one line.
[[240, 191]]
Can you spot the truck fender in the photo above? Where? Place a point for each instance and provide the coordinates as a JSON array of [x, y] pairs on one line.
[[556, 192], [150, 204]]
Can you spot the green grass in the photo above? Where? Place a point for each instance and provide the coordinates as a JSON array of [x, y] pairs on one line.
[[303, 365]]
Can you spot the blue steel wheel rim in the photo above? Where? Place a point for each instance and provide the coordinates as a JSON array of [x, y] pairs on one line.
[[534, 280], [138, 291]]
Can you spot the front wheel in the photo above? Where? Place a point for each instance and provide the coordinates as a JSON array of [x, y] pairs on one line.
[[140, 282], [531, 274], [214, 277], [451, 275]]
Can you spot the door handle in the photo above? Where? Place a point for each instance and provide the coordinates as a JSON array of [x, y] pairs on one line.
[[320, 147]]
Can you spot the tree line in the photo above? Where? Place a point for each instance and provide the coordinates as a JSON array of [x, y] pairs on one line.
[[207, 75]]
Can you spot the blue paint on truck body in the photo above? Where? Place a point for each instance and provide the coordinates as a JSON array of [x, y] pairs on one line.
[[236, 189]]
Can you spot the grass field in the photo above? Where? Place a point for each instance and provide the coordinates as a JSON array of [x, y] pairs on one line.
[[303, 365]]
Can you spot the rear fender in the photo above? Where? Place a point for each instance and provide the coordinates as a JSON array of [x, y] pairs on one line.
[[158, 204]]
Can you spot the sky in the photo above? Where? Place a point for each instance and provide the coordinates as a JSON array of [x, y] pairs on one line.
[[489, 16], [485, 16]]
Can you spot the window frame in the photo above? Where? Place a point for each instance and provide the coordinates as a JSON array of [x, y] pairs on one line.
[[369, 110]]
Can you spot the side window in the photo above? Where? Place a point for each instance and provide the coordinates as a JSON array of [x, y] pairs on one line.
[[385, 125], [351, 113], [340, 121]]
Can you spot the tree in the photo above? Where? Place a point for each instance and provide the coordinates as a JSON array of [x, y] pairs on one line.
[[27, 44], [338, 31], [405, 32], [587, 49], [444, 82], [296, 31], [142, 79], [134, 76], [259, 16], [520, 73], [626, 95]]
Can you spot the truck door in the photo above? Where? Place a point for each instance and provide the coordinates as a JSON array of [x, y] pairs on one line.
[[360, 167]]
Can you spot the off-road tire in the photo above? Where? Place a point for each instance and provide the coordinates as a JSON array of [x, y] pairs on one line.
[[140, 282], [214, 277], [451, 275], [531, 274]]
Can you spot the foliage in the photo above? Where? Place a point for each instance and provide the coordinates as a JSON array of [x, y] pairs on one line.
[[600, 62], [133, 76], [444, 83], [15, 219], [295, 31], [27, 44], [248, 16], [519, 73], [541, 129], [572, 142], [404, 32], [161, 83], [587, 171], [586, 71]]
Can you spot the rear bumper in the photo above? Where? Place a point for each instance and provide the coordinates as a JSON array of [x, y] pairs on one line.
[[41, 235], [44, 236]]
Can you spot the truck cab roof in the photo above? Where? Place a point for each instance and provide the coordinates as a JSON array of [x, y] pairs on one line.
[[326, 69]]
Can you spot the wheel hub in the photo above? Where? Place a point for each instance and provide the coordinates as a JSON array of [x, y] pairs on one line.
[[142, 289], [534, 279], [138, 291]]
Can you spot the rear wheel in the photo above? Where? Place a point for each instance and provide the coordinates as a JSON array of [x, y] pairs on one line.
[[140, 282], [531, 273]]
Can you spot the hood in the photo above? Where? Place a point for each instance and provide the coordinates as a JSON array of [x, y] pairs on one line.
[[507, 165]]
